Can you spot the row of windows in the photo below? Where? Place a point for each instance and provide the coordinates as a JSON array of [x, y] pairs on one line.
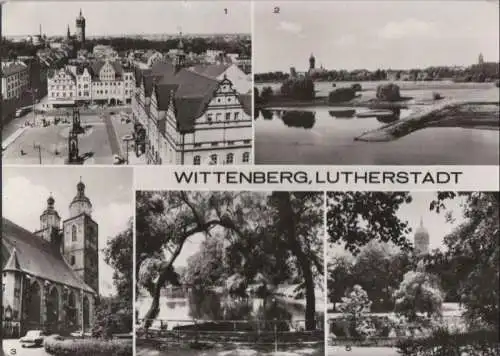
[[218, 117], [85, 86], [62, 95], [61, 87], [229, 158], [18, 76], [216, 143]]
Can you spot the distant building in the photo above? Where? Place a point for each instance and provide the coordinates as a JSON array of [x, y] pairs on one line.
[[293, 72], [312, 62], [392, 75], [104, 52], [80, 28], [149, 58], [480, 59], [50, 277], [421, 240], [241, 82], [15, 79]]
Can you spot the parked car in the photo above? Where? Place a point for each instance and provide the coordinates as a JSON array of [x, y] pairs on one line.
[[32, 338]]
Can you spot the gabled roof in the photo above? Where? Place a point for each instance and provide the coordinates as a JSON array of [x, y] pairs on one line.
[[36, 256], [11, 68], [246, 102]]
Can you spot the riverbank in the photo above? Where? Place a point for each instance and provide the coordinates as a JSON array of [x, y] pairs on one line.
[[322, 101], [477, 115]]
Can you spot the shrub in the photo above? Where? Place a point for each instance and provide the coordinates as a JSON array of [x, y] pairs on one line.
[[443, 342], [341, 94], [87, 347], [298, 88], [437, 96], [388, 92], [356, 87]]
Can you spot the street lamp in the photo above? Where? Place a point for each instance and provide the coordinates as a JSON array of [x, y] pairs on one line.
[[127, 139]]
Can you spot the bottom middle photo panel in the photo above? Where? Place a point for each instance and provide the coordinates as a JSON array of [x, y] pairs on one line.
[[229, 273]]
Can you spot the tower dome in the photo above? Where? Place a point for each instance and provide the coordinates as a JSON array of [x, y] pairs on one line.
[[50, 219], [80, 203], [421, 239]]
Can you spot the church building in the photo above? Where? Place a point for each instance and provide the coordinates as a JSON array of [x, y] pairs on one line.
[[51, 276], [421, 240]]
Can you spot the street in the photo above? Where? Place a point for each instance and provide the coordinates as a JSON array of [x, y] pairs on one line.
[[362, 351], [13, 347]]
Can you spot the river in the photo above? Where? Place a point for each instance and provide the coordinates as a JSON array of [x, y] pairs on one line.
[[211, 306], [324, 136]]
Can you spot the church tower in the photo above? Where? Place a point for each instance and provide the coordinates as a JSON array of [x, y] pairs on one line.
[[312, 62], [480, 59], [50, 223], [421, 240], [81, 239], [68, 34], [180, 56], [80, 28]]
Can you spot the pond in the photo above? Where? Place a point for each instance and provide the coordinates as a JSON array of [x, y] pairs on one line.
[[325, 136], [212, 306]]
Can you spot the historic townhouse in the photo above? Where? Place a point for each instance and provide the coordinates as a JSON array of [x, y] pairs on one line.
[[100, 81], [50, 277], [192, 117], [15, 79]]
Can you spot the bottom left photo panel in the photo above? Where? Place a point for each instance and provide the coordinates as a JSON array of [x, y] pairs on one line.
[[67, 260]]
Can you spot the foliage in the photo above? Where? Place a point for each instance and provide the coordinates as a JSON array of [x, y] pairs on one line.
[[355, 306], [267, 93], [473, 251], [356, 218], [419, 292], [118, 254], [341, 94], [298, 88], [340, 278], [356, 87], [443, 342], [88, 347], [113, 316], [388, 92]]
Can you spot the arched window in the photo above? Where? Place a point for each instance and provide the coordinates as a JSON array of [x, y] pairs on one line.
[[72, 260], [73, 233], [213, 159], [230, 158], [197, 160], [246, 157]]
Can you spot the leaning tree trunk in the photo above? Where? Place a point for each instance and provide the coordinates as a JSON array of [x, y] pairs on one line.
[[154, 309]]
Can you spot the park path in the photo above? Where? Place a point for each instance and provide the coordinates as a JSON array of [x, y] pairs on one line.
[[114, 142]]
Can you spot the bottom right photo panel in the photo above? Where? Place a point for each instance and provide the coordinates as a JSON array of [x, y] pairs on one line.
[[412, 273]]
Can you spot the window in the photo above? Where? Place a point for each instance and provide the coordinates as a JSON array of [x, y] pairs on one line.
[[215, 144], [228, 116], [217, 116], [72, 260], [236, 114], [197, 160], [73, 233], [213, 159], [230, 158], [246, 157]]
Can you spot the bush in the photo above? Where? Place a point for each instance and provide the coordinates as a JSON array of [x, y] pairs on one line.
[[341, 94], [436, 96], [356, 87], [87, 347], [298, 89], [443, 342], [388, 92]]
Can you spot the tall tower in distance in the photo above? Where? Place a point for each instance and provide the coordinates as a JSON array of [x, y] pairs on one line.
[[50, 223], [180, 56], [312, 62], [81, 239], [480, 59], [80, 28], [421, 240]]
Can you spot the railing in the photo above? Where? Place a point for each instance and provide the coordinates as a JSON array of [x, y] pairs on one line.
[[261, 332]]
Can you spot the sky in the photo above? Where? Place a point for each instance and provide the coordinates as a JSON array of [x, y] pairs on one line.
[[435, 223], [374, 34], [25, 191], [127, 17]]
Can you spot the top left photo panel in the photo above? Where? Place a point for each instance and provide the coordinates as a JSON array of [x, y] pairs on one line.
[[126, 83]]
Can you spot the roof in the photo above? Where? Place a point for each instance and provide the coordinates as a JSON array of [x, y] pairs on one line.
[[97, 65], [11, 68], [246, 102], [211, 70], [36, 256]]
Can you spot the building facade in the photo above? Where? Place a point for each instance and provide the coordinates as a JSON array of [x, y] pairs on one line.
[[192, 118], [15, 79], [99, 81], [50, 277]]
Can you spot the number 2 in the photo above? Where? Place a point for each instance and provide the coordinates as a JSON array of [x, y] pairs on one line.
[[276, 10], [225, 11]]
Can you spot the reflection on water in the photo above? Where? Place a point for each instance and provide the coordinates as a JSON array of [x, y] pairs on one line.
[[211, 306], [329, 139], [342, 113]]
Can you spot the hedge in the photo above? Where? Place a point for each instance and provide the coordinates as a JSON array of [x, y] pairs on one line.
[[58, 346], [442, 342]]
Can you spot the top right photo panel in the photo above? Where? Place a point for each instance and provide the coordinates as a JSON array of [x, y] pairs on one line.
[[376, 83]]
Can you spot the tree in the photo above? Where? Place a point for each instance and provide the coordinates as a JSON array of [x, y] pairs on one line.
[[340, 278], [355, 306], [419, 292], [356, 218], [474, 248], [298, 88], [118, 254]]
